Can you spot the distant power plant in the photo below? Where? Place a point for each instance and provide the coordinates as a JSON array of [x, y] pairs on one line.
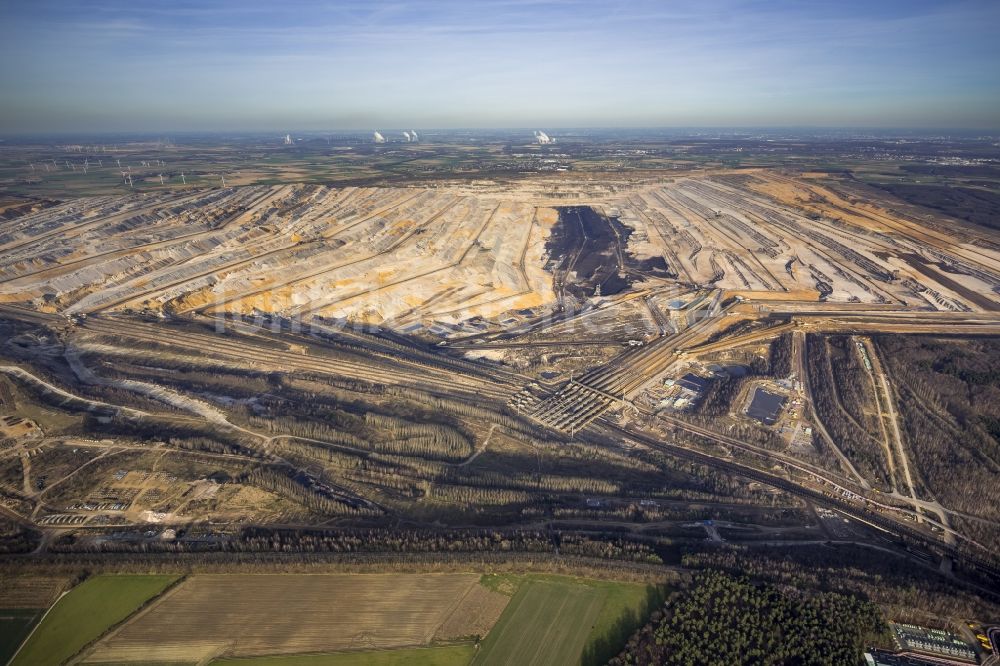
[[542, 138], [377, 137], [288, 139]]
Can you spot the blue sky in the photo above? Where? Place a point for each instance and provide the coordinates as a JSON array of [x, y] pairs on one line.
[[104, 65]]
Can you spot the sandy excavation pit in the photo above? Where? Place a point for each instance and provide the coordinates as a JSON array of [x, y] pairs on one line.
[[414, 259]]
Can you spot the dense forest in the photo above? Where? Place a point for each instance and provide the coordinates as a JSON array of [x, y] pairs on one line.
[[726, 620], [908, 593], [843, 397], [407, 542], [949, 404]]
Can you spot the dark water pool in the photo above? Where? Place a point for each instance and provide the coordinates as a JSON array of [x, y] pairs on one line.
[[766, 406]]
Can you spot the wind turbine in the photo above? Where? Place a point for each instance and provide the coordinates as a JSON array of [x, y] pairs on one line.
[[119, 163], [183, 178]]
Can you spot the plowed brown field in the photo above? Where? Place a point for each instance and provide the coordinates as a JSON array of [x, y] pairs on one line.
[[241, 615]]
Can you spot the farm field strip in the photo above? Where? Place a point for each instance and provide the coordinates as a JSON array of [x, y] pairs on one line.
[[247, 615], [86, 612], [545, 624], [450, 655], [30, 591]]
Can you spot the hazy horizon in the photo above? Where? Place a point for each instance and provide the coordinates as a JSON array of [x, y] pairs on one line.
[[728, 64], [428, 134]]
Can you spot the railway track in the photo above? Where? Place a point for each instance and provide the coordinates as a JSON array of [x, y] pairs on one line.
[[580, 402], [607, 433], [34, 317], [383, 346], [576, 403], [729, 343], [594, 342], [411, 374], [394, 366]]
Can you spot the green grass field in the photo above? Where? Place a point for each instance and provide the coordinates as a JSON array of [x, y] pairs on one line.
[[14, 627], [560, 620], [451, 655], [550, 620], [626, 608], [86, 612]]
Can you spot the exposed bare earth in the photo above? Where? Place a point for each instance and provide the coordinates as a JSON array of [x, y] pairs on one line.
[[409, 258], [31, 591], [585, 308], [242, 615], [478, 611]]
